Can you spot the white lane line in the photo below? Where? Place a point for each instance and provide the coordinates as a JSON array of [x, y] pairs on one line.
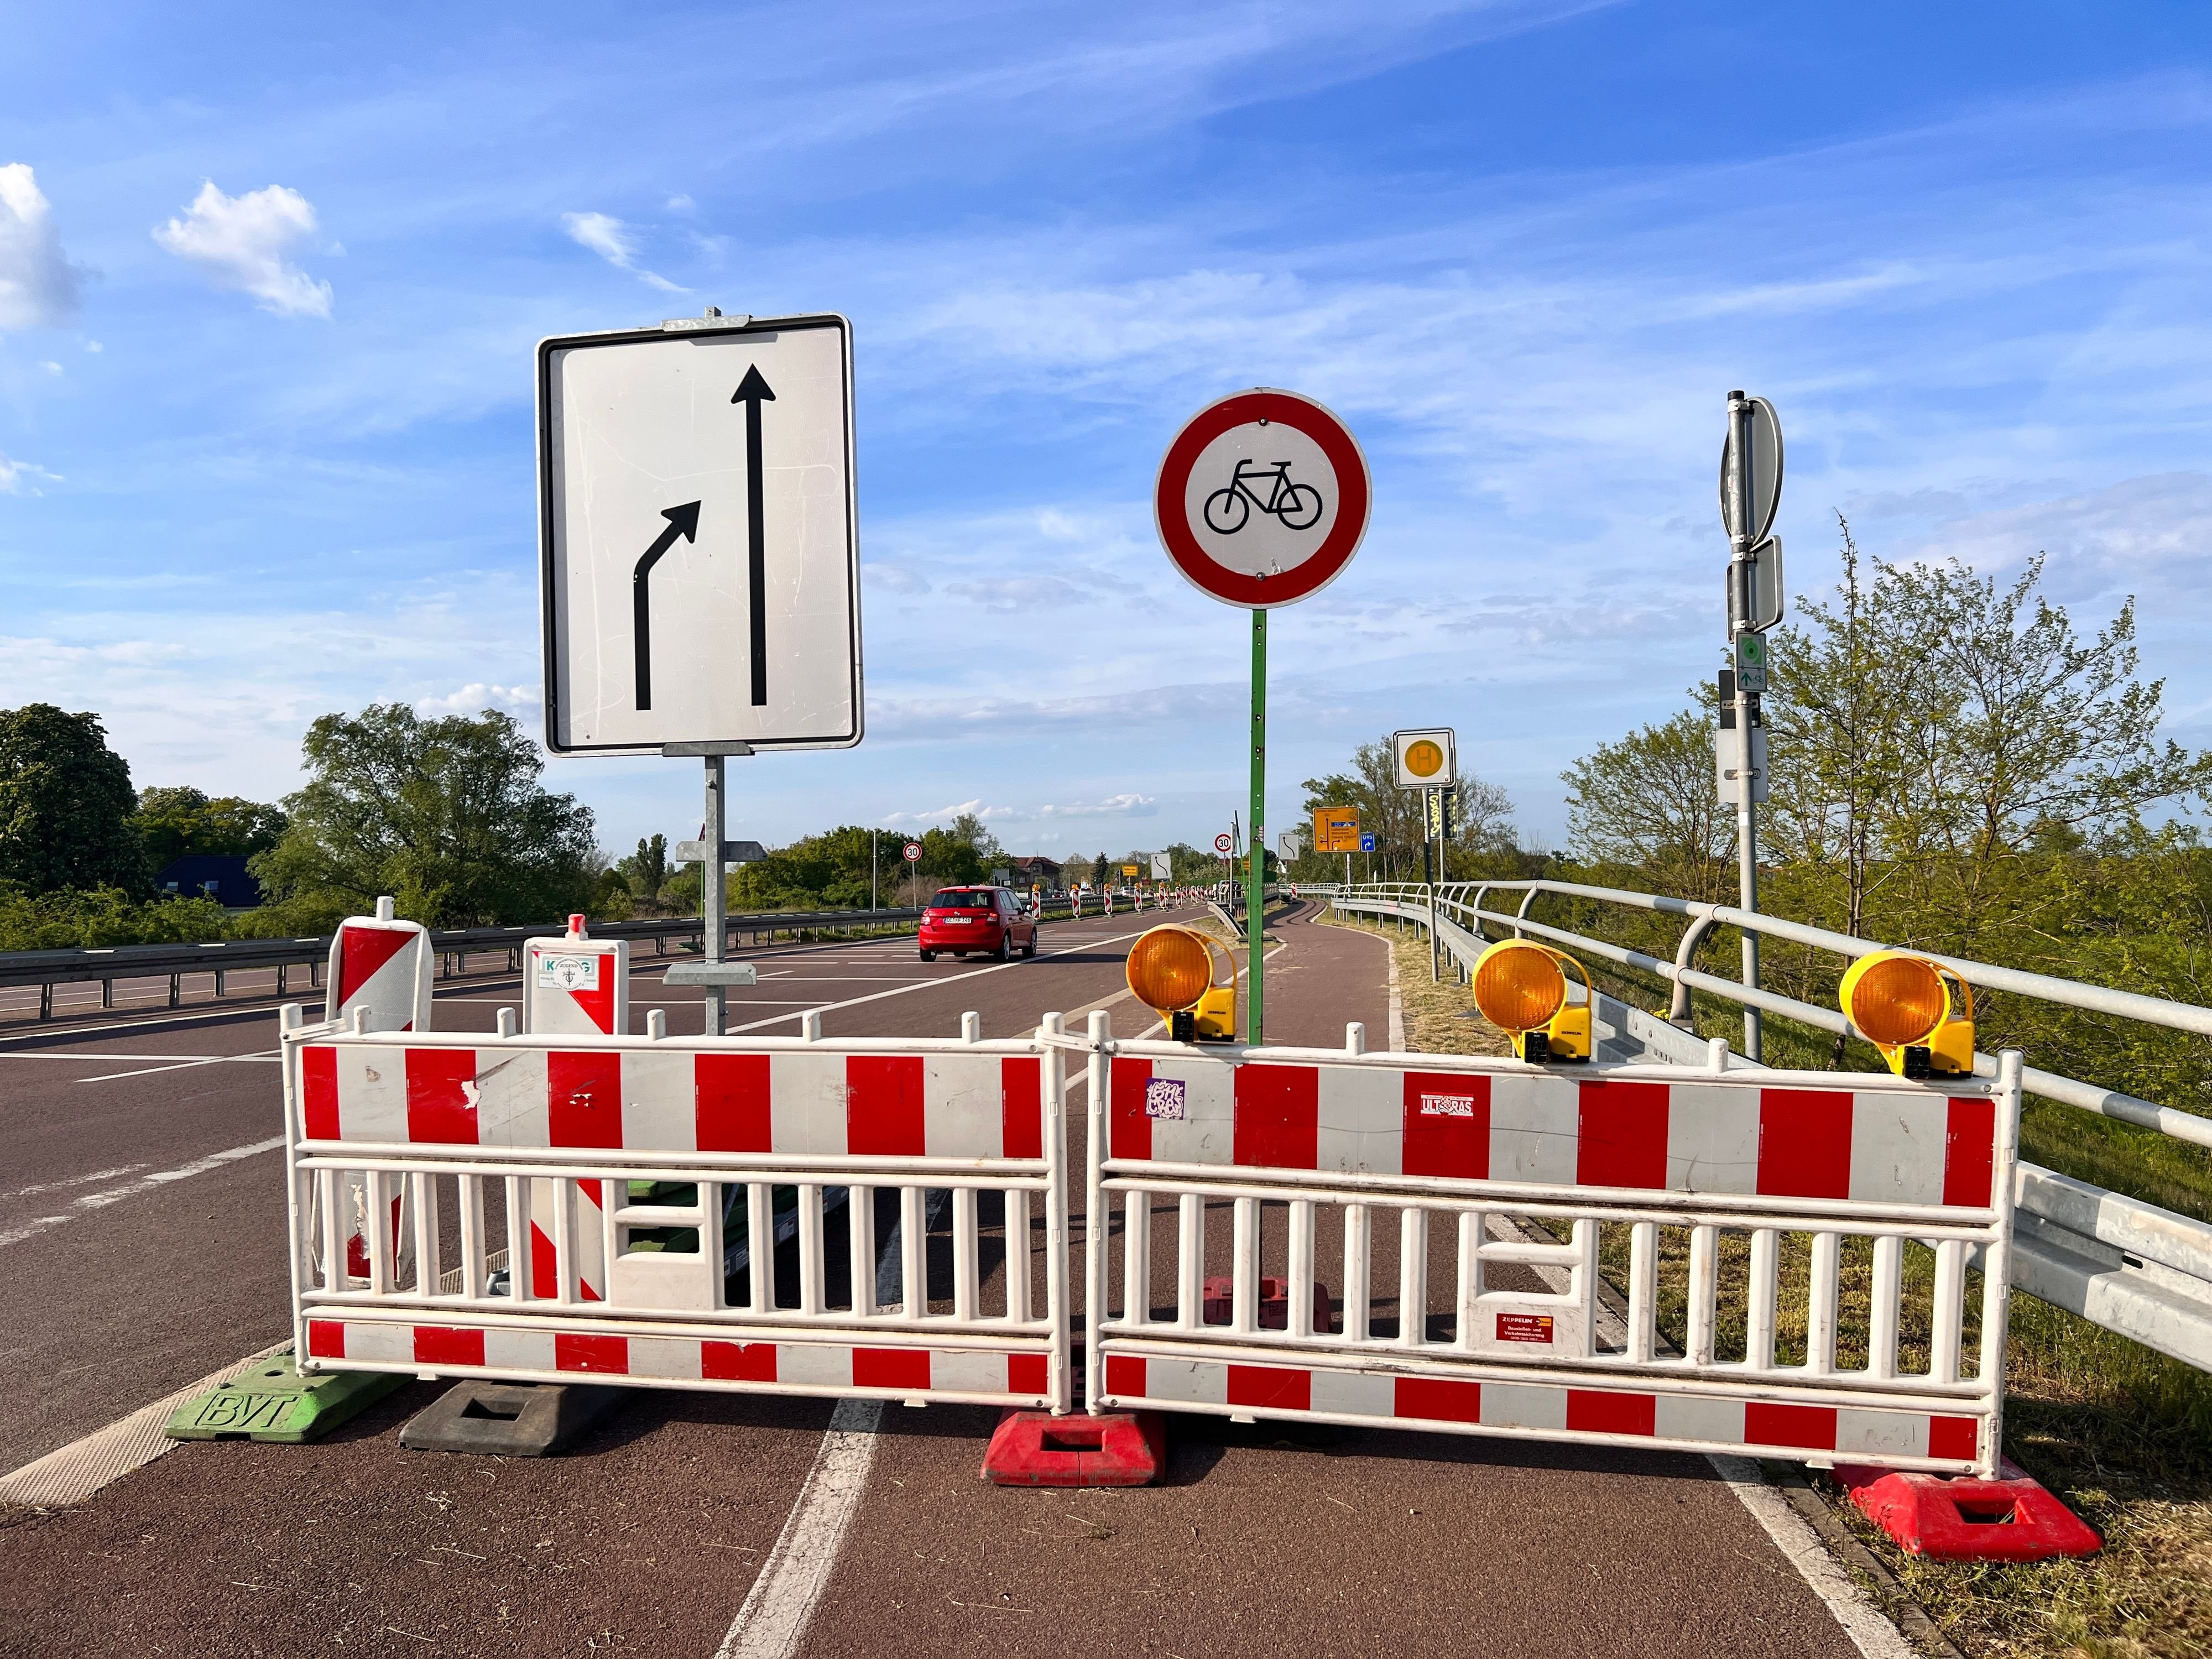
[[75, 1180], [951, 979], [1865, 1624], [182, 1065], [111, 1056], [783, 1598], [101, 1200]]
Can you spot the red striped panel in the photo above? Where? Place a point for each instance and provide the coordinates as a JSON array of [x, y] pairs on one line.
[[737, 1362], [545, 1265], [1271, 1388], [439, 1081], [883, 1107], [1029, 1373], [583, 1098], [1954, 1436], [602, 1356], [1812, 1427], [1437, 1139], [1021, 1088], [1970, 1153], [319, 1093], [731, 1091], [448, 1344], [1602, 1410], [892, 1368], [1277, 1116], [1125, 1373], [1804, 1145], [1623, 1136], [1130, 1134], [326, 1339], [365, 950], [1441, 1399]]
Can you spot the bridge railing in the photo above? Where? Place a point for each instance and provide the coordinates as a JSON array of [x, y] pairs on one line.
[[2130, 1267]]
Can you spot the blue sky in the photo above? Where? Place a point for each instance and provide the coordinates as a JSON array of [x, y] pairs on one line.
[[271, 278]]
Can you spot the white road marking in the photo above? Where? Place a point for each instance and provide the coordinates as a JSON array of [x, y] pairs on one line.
[[783, 1598], [182, 1065], [270, 1058], [101, 1200], [1865, 1624], [75, 1180]]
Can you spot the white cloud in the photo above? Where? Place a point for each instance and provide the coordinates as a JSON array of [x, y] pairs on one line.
[[22, 478], [615, 242], [1130, 805], [519, 701], [38, 285], [240, 241]]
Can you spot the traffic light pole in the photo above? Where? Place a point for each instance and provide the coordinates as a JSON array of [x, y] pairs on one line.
[[1255, 901], [1742, 606]]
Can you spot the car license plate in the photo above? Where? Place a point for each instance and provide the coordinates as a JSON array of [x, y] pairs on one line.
[[959, 922]]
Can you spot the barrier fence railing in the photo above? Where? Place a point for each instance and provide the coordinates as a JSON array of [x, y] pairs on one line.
[[2130, 1267]]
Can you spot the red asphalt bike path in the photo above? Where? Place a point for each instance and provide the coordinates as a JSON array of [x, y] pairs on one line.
[[647, 1539]]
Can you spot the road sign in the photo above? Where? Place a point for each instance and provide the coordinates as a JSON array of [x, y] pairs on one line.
[[1425, 759], [1751, 662], [912, 852], [700, 578], [1766, 595], [1292, 843], [1765, 429], [1262, 499], [1129, 869], [1336, 829], [1367, 843], [1162, 867], [1224, 844]]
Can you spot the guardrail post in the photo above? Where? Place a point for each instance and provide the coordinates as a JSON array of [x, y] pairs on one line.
[[284, 970], [218, 983], [45, 1001], [1527, 899], [176, 990], [1678, 1007], [107, 993]]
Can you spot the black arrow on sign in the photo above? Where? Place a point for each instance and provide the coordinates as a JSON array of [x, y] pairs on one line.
[[752, 391], [682, 521]]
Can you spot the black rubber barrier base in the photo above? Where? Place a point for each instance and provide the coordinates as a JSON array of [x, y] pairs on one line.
[[509, 1419]]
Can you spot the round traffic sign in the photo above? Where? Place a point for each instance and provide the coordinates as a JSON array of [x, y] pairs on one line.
[[914, 851], [1262, 499], [1423, 759], [1223, 845]]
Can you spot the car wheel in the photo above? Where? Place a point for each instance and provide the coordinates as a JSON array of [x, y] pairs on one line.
[[1006, 952], [1029, 949], [929, 956]]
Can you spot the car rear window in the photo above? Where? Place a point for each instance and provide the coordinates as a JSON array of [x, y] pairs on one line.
[[961, 899]]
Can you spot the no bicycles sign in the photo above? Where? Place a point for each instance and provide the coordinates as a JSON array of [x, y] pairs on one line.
[[1262, 499]]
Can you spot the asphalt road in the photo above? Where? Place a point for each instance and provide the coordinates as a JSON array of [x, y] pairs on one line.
[[648, 1537]]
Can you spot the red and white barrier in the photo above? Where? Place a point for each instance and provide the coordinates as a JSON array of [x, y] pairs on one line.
[[1502, 1179], [576, 985], [379, 972]]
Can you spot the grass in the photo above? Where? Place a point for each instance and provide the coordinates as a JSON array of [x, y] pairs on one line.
[[2120, 1434]]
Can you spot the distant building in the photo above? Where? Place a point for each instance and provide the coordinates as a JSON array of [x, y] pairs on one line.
[[219, 876], [1034, 872]]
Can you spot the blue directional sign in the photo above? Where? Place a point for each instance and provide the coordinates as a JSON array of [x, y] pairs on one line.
[[1367, 843]]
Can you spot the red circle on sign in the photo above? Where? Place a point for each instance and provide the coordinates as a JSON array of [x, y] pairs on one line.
[[913, 851], [1222, 844], [1171, 508]]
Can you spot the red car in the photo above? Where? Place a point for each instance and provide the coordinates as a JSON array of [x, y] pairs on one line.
[[988, 920]]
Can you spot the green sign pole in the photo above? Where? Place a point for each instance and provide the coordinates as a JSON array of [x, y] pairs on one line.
[[1255, 933]]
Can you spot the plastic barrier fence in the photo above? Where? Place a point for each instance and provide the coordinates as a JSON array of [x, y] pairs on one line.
[[666, 1161], [1464, 1207]]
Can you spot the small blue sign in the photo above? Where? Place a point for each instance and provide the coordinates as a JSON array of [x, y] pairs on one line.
[[1367, 843]]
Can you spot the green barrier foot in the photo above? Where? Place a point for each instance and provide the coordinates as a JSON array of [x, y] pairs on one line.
[[274, 1401]]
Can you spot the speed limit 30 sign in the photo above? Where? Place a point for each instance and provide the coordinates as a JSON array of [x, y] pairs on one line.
[[913, 853]]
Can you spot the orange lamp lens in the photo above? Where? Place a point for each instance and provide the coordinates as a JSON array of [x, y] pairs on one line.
[[1170, 968], [1518, 989], [1898, 1001]]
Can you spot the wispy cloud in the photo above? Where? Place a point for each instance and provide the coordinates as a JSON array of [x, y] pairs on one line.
[[38, 285], [23, 477], [617, 243], [241, 242]]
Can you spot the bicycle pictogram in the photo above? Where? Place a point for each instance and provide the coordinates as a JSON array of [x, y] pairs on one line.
[[1295, 506]]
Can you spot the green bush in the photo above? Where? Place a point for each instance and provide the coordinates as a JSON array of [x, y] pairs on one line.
[[95, 917]]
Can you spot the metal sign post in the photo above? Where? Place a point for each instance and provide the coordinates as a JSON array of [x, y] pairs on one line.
[[1751, 492], [1261, 500]]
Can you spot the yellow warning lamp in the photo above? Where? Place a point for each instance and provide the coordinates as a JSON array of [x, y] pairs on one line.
[[1173, 969], [1918, 1013], [1522, 987]]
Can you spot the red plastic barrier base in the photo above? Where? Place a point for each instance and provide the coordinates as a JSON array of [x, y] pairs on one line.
[[1220, 1305], [1958, 1518], [1116, 1448]]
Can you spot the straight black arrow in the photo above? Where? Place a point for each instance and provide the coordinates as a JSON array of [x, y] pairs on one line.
[[682, 521], [752, 391]]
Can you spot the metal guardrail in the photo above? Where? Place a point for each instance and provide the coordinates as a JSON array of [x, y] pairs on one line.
[[2129, 1267]]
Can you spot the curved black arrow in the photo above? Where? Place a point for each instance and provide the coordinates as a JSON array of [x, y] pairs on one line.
[[752, 391], [682, 521]]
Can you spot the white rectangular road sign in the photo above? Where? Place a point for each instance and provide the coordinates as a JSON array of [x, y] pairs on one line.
[[1425, 759], [701, 579]]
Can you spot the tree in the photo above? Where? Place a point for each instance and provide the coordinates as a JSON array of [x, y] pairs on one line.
[[65, 802], [448, 816], [1099, 868], [647, 869], [173, 822], [1650, 800], [968, 828]]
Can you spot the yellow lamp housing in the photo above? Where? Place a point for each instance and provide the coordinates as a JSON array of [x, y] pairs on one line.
[[1175, 971], [1522, 988], [1918, 1012]]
